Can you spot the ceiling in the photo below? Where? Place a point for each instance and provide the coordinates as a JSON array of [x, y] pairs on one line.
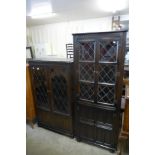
[[67, 10]]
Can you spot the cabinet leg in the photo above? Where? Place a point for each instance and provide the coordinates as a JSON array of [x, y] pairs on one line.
[[78, 139], [121, 145], [112, 151], [32, 125]]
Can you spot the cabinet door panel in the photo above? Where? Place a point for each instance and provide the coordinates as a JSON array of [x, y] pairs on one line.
[[107, 73], [104, 136], [87, 91], [86, 113], [40, 85], [85, 75], [86, 50], [106, 94], [87, 131], [108, 68], [108, 49], [60, 90], [86, 71], [105, 117]]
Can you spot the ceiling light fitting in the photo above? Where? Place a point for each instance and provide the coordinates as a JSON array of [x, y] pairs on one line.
[[41, 10], [112, 5], [44, 15]]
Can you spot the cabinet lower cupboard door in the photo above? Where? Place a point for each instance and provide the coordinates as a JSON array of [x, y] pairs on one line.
[[98, 73], [53, 95], [87, 131], [104, 136]]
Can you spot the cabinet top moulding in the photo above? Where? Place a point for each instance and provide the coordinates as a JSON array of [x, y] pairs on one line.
[[88, 33], [51, 60]]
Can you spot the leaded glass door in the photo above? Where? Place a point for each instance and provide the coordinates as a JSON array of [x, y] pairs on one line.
[[59, 86], [40, 82], [97, 69], [107, 69], [86, 68]]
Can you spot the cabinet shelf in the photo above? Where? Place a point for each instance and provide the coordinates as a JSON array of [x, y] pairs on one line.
[[105, 62], [87, 100], [108, 84], [85, 61], [86, 81]]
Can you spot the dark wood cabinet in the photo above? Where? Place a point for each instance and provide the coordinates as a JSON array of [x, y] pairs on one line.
[[52, 87], [83, 99], [98, 74]]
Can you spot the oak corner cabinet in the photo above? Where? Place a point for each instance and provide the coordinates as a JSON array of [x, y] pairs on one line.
[[98, 74], [52, 87]]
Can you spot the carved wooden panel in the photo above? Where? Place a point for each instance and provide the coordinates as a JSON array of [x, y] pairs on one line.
[[87, 131], [104, 136], [105, 117], [86, 113]]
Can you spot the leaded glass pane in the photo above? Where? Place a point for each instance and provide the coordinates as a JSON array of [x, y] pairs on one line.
[[86, 51], [107, 73], [105, 94], [60, 97], [86, 71], [40, 87], [87, 91], [108, 50]]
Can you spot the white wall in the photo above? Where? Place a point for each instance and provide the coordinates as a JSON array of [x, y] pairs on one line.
[[52, 38]]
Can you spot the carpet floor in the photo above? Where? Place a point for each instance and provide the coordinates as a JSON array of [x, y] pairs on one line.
[[40, 141]]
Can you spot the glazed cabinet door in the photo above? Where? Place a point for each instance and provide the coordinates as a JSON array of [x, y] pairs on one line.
[[60, 88], [85, 69], [99, 61], [85, 56], [40, 86], [109, 69]]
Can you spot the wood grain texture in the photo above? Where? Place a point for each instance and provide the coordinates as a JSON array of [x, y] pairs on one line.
[[30, 107], [126, 116]]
